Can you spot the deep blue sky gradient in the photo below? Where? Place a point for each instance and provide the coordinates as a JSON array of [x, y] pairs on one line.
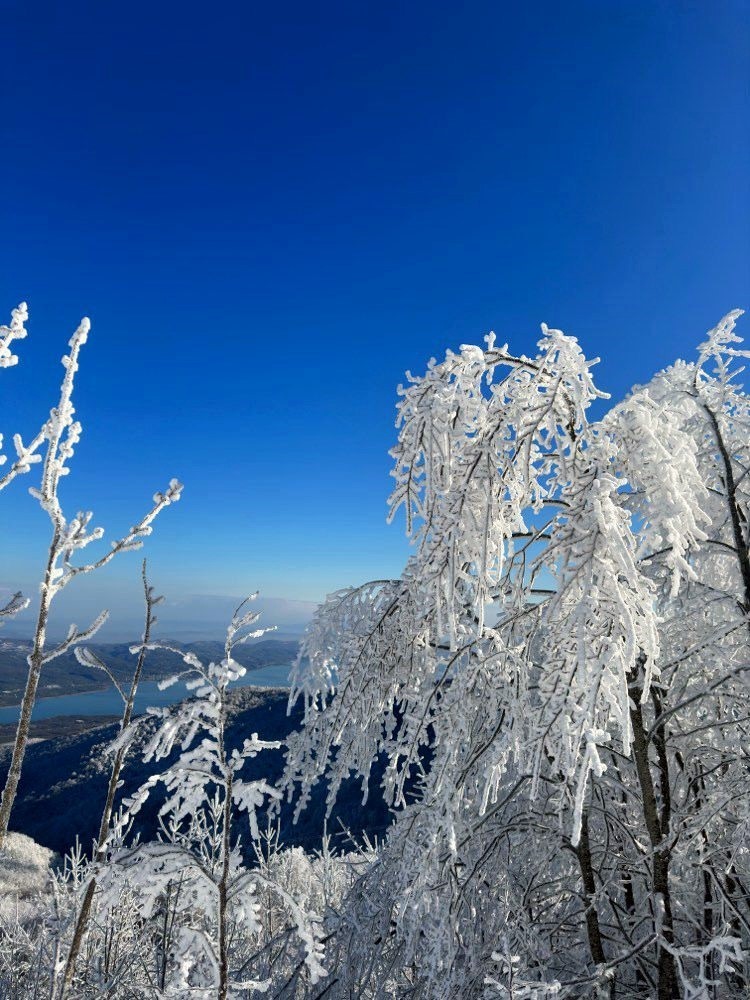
[[270, 211]]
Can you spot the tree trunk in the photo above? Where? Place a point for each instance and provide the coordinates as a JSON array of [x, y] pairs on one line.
[[583, 853], [36, 659], [667, 974], [226, 844], [114, 779], [223, 885], [743, 556]]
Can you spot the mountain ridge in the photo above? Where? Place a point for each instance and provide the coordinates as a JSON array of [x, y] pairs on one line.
[[65, 675]]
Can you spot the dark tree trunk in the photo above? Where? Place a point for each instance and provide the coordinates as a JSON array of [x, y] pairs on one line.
[[593, 930], [657, 826]]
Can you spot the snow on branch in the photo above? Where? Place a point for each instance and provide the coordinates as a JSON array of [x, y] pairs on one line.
[[17, 603], [16, 331], [204, 790], [58, 439], [555, 683]]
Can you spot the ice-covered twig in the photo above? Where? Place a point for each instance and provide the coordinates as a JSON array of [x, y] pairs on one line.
[[78, 537], [15, 331], [75, 636], [17, 603], [61, 432], [88, 658]]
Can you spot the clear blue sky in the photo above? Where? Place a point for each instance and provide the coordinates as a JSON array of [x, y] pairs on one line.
[[270, 211]]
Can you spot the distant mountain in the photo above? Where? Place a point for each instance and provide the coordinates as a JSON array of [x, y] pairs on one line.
[[65, 675], [64, 781]]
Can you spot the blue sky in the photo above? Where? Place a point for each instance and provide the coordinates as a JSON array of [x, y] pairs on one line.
[[271, 211]]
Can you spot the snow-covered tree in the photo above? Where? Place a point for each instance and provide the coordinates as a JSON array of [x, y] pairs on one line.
[[56, 442], [200, 852], [87, 657], [557, 683]]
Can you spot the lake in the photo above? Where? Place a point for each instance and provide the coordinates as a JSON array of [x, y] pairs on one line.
[[109, 702]]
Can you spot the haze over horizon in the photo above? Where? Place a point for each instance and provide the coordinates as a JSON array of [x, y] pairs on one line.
[[192, 617]]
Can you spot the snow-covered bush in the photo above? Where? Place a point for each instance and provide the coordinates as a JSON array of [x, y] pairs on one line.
[[216, 924], [558, 682], [24, 875]]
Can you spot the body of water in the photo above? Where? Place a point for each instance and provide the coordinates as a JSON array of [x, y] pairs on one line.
[[109, 702]]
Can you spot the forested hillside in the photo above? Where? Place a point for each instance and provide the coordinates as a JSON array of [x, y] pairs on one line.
[[65, 782]]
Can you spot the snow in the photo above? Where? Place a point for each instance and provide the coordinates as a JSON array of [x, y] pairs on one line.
[[25, 868]]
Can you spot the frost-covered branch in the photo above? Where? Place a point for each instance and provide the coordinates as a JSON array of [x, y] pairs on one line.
[[17, 603], [564, 654], [205, 790], [60, 435], [16, 331]]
